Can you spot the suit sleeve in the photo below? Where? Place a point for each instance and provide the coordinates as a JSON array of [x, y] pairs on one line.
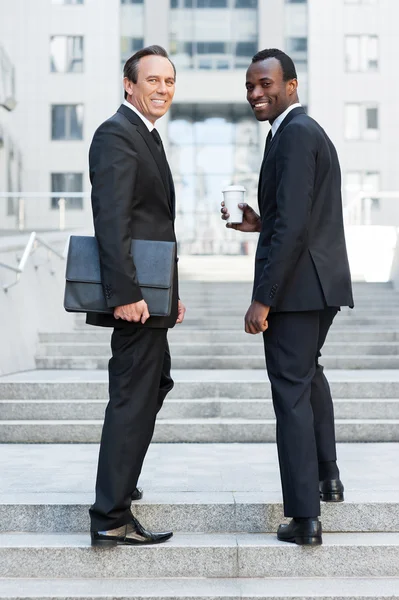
[[295, 172], [113, 172]]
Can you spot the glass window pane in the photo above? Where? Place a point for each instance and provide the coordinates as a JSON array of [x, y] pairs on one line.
[[66, 54], [211, 3], [67, 1], [352, 121], [246, 3], [371, 118], [58, 122], [352, 50], [69, 183], [76, 124], [372, 52]]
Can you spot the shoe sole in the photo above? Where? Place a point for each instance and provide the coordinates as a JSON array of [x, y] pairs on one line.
[[331, 497], [303, 541], [113, 544]]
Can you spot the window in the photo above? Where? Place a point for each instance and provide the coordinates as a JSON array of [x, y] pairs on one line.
[[67, 122], [296, 1], [202, 38], [361, 52], [66, 54], [130, 45], [132, 1], [361, 181], [67, 1], [246, 3], [361, 122], [67, 183], [211, 146], [297, 48]]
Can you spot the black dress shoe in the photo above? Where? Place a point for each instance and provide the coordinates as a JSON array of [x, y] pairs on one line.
[[137, 494], [331, 490], [306, 532], [132, 534]]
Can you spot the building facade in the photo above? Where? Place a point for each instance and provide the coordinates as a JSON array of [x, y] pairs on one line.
[[69, 56]]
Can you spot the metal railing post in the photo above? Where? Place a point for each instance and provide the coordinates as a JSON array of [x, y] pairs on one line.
[[61, 205], [21, 214]]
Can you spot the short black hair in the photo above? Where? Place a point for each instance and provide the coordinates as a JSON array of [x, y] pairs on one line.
[[131, 68], [287, 64]]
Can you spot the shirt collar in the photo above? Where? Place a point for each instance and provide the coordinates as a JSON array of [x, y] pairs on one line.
[[277, 122], [146, 122]]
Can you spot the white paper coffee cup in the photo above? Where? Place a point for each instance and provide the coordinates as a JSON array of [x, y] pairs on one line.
[[232, 196]]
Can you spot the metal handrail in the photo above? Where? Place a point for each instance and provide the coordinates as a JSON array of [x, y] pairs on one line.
[[62, 198], [33, 241], [358, 210]]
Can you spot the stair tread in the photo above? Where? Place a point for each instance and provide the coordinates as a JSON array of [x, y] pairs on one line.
[[210, 540], [377, 587]]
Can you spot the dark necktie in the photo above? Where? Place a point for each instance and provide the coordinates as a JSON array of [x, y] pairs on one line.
[[268, 140], [158, 141]]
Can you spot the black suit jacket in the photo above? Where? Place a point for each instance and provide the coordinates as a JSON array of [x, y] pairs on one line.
[[301, 260], [132, 197]]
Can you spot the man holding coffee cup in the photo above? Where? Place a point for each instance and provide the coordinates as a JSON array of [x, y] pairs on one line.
[[301, 279]]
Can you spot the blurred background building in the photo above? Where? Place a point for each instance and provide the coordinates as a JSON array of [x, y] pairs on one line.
[[68, 57]]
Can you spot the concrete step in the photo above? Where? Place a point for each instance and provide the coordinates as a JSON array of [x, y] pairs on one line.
[[181, 335], [220, 362], [39, 410], [92, 385], [323, 588], [236, 322], [239, 308], [200, 430], [199, 512], [255, 347], [201, 555]]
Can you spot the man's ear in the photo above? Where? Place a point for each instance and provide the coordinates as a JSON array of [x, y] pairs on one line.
[[128, 85], [292, 86]]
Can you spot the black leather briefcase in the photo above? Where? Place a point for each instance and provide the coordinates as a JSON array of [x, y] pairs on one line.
[[154, 262]]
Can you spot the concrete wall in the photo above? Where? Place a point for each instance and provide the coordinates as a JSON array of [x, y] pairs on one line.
[[331, 86], [33, 305]]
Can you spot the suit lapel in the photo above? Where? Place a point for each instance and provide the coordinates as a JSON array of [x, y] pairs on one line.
[[296, 111], [152, 146]]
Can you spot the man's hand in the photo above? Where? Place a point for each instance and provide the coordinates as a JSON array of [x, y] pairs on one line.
[[256, 318], [181, 311], [136, 312], [251, 220]]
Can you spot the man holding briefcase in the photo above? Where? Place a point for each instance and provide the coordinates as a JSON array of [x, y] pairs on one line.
[[132, 197]]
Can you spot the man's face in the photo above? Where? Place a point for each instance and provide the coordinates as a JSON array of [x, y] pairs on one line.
[[153, 93], [267, 92]]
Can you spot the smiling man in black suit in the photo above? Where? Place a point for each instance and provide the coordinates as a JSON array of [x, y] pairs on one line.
[[301, 279], [132, 197]]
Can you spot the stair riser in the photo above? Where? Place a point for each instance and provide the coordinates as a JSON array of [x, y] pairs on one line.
[[189, 390], [236, 323], [64, 433], [254, 348], [201, 561], [223, 362], [191, 409], [210, 337], [201, 518]]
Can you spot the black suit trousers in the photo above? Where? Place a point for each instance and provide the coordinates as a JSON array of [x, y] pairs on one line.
[[139, 380], [302, 403]]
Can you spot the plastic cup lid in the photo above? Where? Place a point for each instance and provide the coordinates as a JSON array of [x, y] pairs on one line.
[[234, 188]]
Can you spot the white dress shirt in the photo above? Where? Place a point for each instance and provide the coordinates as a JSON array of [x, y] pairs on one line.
[[277, 122], [146, 122]]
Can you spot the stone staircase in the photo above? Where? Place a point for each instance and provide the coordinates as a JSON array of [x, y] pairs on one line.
[[220, 493]]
